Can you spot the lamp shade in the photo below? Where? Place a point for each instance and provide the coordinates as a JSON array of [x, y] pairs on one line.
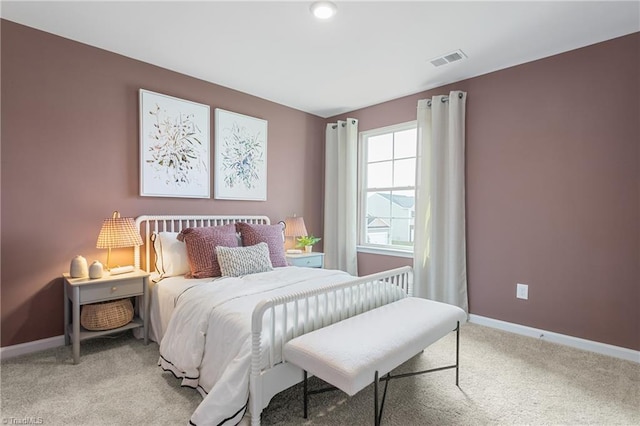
[[294, 227], [118, 232]]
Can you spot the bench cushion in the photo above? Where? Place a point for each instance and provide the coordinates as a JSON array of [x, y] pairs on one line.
[[348, 353]]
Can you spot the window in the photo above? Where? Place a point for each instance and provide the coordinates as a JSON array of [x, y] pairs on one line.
[[387, 171]]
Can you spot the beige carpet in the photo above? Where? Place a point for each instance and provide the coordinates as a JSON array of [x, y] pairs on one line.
[[505, 379]]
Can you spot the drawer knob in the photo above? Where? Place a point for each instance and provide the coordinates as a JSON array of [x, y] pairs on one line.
[[114, 289]]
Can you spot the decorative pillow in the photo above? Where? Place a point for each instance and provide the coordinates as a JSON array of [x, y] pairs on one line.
[[201, 248], [171, 254], [270, 234], [239, 261]]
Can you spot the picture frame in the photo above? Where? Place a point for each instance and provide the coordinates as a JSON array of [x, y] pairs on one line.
[[175, 147], [240, 157]]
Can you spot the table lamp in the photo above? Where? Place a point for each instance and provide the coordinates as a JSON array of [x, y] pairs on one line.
[[294, 228], [118, 232]]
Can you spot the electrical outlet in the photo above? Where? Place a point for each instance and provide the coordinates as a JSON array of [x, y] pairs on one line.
[[522, 291]]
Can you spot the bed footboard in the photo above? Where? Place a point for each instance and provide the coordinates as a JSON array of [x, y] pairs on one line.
[[290, 316]]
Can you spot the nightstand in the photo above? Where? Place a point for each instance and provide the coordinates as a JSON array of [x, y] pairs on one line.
[[308, 260], [82, 291]]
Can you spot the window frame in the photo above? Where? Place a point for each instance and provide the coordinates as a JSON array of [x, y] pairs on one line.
[[363, 136]]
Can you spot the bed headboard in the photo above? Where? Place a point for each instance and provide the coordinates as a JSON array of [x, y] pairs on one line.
[[175, 223]]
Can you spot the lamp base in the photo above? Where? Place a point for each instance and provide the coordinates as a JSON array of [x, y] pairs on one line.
[[121, 270]]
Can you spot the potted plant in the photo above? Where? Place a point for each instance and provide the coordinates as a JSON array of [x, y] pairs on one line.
[[307, 242]]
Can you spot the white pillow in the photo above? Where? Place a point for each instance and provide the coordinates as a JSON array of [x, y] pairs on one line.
[[239, 261], [171, 254]]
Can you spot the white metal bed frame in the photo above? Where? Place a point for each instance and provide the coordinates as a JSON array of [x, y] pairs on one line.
[[148, 224], [343, 300]]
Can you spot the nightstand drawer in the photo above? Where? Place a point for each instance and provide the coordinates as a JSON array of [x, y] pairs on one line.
[[306, 261], [114, 290]]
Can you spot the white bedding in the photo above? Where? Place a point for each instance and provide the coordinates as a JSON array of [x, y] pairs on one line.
[[207, 340], [164, 297]]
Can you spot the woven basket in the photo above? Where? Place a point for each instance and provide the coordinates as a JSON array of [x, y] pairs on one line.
[[106, 315]]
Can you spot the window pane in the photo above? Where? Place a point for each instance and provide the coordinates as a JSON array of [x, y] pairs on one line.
[[403, 204], [404, 172], [402, 217], [378, 236], [405, 144], [378, 205], [402, 232], [378, 229], [380, 147], [379, 175]]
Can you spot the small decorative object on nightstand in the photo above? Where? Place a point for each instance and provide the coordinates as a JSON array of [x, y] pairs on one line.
[[96, 270], [78, 267], [83, 291], [307, 242], [307, 260]]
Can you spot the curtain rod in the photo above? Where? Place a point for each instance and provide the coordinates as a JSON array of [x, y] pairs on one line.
[[335, 125], [444, 99]]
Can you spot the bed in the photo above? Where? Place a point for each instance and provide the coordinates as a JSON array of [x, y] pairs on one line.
[[224, 336]]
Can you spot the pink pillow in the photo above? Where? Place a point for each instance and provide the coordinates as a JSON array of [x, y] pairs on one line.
[[270, 234], [201, 248]]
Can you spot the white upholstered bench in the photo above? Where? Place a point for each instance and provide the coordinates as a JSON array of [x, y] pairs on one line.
[[353, 353]]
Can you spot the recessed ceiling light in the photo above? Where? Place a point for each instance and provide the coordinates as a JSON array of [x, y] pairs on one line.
[[323, 9]]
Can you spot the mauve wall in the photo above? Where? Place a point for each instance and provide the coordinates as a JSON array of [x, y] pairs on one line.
[[70, 157], [552, 189]]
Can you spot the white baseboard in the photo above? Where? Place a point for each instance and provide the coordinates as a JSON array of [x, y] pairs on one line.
[[563, 339], [30, 347], [575, 342]]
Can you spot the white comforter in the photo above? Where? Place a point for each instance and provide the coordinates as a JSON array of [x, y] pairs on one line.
[[208, 339]]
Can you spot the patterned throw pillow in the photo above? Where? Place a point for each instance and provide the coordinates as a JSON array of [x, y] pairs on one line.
[[270, 234], [201, 248], [239, 261]]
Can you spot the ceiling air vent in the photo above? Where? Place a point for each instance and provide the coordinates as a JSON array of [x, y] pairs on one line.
[[448, 58]]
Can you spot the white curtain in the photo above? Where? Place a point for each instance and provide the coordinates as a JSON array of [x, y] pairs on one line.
[[340, 196], [440, 266]]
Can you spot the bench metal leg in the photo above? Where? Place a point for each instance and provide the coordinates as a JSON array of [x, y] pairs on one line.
[[375, 400], [377, 414], [432, 370], [388, 377], [457, 353], [306, 394]]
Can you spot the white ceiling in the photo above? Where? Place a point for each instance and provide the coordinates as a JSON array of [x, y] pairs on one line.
[[370, 52]]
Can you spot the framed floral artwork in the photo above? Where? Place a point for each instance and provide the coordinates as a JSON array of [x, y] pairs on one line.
[[240, 157], [175, 147]]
